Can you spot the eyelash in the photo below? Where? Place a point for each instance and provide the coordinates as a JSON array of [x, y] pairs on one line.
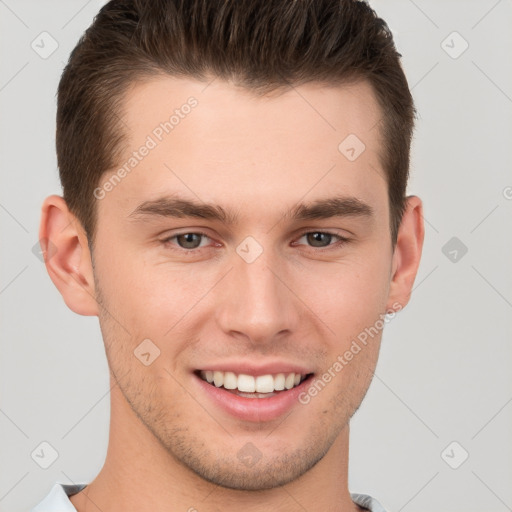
[[341, 241]]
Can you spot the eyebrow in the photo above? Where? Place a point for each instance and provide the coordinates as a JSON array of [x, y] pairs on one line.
[[175, 207]]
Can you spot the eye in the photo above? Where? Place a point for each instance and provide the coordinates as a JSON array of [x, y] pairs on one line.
[[190, 241], [320, 239]]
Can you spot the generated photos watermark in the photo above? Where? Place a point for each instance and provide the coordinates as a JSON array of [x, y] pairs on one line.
[[344, 359], [152, 140]]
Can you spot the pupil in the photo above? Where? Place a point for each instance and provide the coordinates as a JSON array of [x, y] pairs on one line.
[[189, 239], [316, 237]]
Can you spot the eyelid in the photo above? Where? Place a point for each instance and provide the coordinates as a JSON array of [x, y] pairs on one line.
[[342, 240], [189, 232]]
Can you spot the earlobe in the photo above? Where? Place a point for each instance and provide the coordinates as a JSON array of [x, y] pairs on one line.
[[67, 256], [407, 254]]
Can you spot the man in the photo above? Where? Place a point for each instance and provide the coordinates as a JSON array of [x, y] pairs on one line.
[[234, 212]]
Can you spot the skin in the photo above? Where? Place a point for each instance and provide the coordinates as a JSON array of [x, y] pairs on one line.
[[170, 447]]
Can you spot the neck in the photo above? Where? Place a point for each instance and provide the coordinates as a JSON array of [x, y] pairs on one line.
[[139, 474]]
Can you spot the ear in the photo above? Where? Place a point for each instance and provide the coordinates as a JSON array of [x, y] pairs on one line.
[[407, 254], [67, 257]]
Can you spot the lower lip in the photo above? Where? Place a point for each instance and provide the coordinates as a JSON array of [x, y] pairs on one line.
[[254, 409]]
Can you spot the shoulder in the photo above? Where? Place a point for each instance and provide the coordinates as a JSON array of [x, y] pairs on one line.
[[57, 500], [367, 502]]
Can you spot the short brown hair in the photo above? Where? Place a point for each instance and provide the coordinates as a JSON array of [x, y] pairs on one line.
[[262, 45]]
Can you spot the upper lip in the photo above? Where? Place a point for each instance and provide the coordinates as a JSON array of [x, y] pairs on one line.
[[255, 369]]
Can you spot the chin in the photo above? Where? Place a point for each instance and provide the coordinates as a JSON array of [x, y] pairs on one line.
[[268, 476], [248, 469]]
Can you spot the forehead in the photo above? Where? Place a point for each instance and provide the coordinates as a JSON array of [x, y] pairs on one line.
[[310, 111], [219, 143]]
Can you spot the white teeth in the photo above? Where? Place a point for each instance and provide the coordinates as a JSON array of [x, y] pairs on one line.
[[279, 381], [218, 378], [290, 379], [265, 384], [230, 380], [246, 383], [250, 384]]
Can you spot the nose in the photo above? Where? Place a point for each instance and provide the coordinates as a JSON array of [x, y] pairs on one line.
[[257, 302]]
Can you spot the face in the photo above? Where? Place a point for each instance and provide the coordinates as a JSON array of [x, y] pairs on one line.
[[244, 245]]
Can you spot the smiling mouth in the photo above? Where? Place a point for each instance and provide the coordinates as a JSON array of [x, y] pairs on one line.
[[250, 386]]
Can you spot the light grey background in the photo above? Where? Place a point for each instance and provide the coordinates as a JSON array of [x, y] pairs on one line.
[[444, 371]]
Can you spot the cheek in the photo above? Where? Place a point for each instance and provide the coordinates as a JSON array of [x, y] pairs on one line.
[[149, 299], [160, 303], [144, 296], [348, 296]]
